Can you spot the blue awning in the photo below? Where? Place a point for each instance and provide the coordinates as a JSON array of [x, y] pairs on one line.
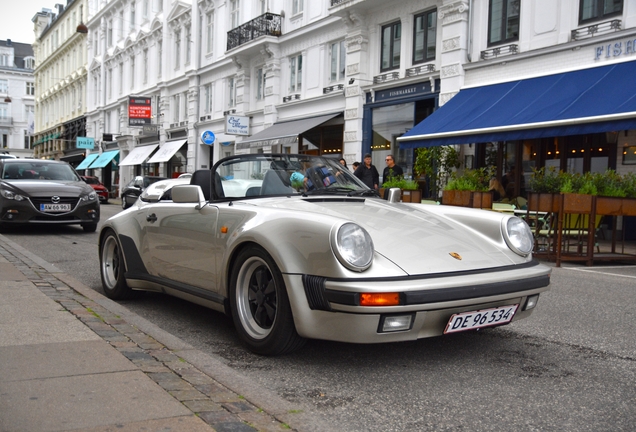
[[599, 99], [87, 161], [104, 159]]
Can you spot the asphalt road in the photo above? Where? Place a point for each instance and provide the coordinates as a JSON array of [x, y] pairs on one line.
[[571, 366]]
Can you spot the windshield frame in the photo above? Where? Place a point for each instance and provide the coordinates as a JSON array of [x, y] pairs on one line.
[[311, 176]]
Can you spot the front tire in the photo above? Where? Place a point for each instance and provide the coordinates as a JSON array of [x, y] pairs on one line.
[[89, 228], [112, 268], [260, 305]]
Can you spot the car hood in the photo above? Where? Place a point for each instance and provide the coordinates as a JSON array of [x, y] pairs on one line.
[[418, 238], [46, 188]]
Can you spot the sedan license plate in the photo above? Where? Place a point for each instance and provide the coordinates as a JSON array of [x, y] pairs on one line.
[[55, 207], [479, 319]]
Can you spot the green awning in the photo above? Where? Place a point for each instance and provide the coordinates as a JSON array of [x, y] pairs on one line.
[[104, 159], [87, 161]]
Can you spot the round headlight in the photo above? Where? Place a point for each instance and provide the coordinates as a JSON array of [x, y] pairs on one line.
[[353, 247], [518, 236]]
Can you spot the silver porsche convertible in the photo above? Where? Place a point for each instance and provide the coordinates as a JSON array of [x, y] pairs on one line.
[[296, 247]]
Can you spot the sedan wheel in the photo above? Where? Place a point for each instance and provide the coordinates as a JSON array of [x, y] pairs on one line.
[[260, 305], [112, 268]]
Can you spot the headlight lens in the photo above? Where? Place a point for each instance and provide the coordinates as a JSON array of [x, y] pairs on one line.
[[353, 247], [89, 197], [518, 236], [11, 195]]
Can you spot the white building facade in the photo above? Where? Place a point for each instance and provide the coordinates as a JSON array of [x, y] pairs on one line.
[[16, 98], [332, 77], [60, 82]]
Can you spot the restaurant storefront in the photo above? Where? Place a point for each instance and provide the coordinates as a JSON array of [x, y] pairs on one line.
[[390, 113]]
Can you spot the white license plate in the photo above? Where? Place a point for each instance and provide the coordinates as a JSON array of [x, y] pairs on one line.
[[55, 207], [479, 319]]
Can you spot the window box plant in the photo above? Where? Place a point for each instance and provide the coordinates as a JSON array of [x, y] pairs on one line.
[[470, 189]]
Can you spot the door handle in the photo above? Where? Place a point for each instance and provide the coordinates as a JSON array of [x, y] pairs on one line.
[[151, 218]]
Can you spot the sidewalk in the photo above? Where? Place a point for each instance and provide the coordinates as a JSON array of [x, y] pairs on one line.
[[71, 359]]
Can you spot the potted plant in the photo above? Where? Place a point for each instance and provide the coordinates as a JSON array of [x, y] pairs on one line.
[[470, 189], [433, 166], [545, 187]]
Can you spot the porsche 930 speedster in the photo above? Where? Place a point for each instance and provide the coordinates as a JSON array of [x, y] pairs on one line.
[[295, 247]]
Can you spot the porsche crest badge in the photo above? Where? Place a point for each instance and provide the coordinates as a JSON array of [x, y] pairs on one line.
[[456, 255]]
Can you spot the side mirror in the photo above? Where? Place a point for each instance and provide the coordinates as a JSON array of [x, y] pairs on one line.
[[394, 196], [184, 194]]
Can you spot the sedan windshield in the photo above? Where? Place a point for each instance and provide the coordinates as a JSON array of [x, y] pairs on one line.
[[271, 175], [39, 171]]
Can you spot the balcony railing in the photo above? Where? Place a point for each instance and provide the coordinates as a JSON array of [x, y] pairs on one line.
[[268, 24], [599, 28], [500, 51], [6, 121], [389, 76], [337, 2]]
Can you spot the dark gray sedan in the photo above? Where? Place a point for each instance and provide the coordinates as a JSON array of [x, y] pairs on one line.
[[36, 191]]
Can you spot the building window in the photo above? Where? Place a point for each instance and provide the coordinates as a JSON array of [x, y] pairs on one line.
[[30, 89], [109, 33], [590, 10], [188, 38], [4, 86], [132, 16], [176, 108], [209, 36], [235, 8], [132, 72], [263, 6], [159, 58], [121, 78], [120, 33], [231, 84], [177, 48], [29, 63], [503, 21], [207, 98], [145, 66], [338, 61], [391, 44], [109, 83], [145, 9], [4, 111], [424, 37], [297, 6], [295, 73], [4, 60], [260, 84]]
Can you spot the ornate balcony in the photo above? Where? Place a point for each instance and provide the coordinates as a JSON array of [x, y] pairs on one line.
[[499, 51], [268, 24], [594, 29]]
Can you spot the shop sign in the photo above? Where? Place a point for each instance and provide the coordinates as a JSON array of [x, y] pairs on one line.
[[85, 143], [403, 92], [615, 49], [139, 110], [237, 125]]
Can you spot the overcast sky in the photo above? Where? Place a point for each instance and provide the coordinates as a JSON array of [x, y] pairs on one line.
[[16, 15]]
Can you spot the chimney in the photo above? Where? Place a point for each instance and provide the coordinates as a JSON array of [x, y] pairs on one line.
[[8, 42]]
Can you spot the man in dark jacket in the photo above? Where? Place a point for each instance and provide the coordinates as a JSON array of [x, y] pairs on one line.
[[392, 170], [368, 173]]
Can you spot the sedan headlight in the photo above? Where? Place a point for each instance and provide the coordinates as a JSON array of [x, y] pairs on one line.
[[92, 196], [353, 246], [11, 195], [518, 236]]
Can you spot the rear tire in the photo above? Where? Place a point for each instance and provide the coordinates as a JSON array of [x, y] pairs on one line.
[[112, 268], [260, 305]]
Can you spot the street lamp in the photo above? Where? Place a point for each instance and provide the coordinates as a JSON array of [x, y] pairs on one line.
[[81, 28]]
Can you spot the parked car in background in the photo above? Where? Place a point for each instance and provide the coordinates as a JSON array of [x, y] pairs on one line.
[[100, 189], [34, 191], [295, 247], [135, 187]]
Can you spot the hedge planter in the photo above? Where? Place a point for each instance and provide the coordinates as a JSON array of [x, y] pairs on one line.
[[467, 199], [544, 202], [412, 196]]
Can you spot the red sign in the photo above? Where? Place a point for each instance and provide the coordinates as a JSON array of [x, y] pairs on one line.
[[139, 110]]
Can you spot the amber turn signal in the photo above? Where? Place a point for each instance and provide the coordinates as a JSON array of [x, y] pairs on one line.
[[379, 299]]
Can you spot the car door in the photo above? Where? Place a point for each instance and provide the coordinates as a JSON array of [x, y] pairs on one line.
[[181, 243]]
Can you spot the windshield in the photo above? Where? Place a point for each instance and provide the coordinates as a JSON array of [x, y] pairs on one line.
[[270, 175], [39, 171]]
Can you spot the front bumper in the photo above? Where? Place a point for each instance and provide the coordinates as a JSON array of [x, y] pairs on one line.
[[24, 212], [336, 317]]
